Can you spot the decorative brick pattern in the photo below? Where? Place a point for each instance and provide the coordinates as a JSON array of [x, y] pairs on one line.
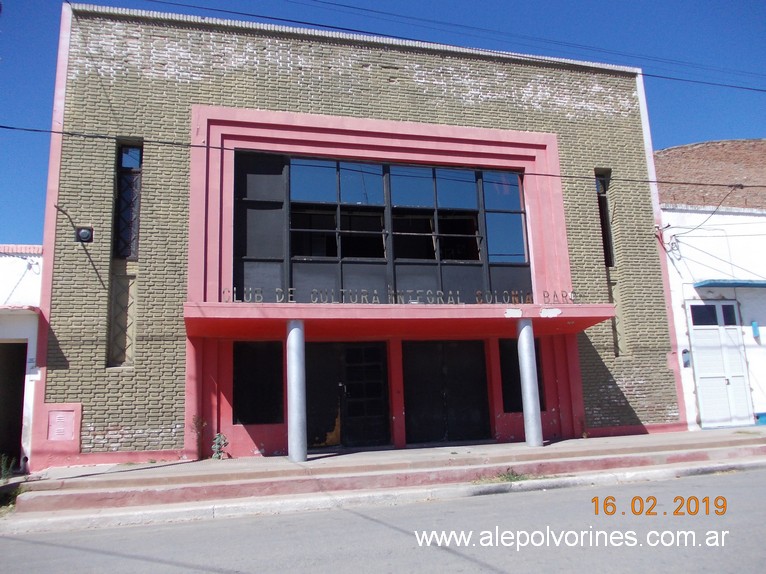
[[136, 76]]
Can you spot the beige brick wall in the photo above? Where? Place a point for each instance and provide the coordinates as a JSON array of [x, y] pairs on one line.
[[138, 78]]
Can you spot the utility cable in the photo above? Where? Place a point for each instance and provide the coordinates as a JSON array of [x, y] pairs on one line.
[[526, 173], [378, 34]]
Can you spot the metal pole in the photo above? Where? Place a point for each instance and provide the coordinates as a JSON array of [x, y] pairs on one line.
[[296, 393], [530, 396]]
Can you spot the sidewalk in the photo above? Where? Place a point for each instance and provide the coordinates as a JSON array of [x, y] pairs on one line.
[[112, 495]]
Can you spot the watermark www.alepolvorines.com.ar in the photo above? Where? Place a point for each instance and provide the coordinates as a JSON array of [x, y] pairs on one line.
[[590, 538]]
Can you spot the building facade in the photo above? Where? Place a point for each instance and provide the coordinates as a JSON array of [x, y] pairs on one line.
[[20, 281], [714, 212], [282, 235]]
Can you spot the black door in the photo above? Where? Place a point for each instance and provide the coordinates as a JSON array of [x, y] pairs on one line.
[[13, 358], [347, 394], [445, 391]]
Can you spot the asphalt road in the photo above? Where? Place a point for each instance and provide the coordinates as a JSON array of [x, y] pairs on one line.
[[713, 523]]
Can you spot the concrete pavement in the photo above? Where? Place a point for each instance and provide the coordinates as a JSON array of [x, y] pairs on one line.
[[166, 491]]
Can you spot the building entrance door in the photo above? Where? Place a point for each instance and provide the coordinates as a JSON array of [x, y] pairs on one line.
[[347, 394], [720, 370], [13, 358], [445, 391]]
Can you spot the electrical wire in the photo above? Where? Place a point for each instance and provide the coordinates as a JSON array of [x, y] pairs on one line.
[[501, 34], [712, 213], [531, 57], [526, 173]]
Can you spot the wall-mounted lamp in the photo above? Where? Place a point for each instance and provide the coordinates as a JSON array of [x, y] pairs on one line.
[[756, 330], [83, 234], [686, 358]]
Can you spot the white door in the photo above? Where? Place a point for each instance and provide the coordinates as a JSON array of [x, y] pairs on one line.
[[720, 369]]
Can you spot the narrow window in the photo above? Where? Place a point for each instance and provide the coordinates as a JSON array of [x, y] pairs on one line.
[[126, 207], [122, 322], [602, 186]]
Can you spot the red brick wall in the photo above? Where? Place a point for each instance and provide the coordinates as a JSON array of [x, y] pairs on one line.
[[729, 162]]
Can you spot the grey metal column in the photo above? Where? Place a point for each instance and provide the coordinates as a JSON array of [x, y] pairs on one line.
[[530, 396], [296, 392]]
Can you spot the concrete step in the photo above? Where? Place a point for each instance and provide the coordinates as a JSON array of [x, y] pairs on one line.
[[221, 480]]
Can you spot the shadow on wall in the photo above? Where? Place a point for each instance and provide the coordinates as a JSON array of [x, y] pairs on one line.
[[54, 359], [605, 402]]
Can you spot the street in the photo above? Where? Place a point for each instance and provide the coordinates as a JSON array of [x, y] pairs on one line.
[[713, 523]]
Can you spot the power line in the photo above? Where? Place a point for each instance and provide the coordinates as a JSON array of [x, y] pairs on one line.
[[735, 186], [276, 19], [539, 39], [485, 30], [712, 213]]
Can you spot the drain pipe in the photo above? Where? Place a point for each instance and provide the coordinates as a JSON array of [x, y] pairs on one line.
[[297, 447], [530, 395]]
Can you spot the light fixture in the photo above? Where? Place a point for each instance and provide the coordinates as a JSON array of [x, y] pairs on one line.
[[83, 234]]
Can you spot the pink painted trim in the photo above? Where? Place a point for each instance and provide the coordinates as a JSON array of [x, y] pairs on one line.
[[672, 358], [20, 309], [198, 170], [559, 357], [21, 249], [593, 313], [575, 385], [192, 405], [495, 381], [396, 393], [636, 429], [120, 457], [40, 416], [46, 451], [220, 130]]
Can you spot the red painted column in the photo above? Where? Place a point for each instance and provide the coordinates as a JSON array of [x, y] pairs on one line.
[[396, 393], [575, 385], [209, 399], [495, 386], [561, 362], [193, 407]]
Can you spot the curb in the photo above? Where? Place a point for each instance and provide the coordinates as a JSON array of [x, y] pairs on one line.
[[234, 508]]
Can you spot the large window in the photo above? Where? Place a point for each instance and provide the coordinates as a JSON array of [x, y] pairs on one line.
[[339, 231]]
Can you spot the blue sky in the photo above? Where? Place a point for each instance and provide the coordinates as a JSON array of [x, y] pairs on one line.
[[715, 41]]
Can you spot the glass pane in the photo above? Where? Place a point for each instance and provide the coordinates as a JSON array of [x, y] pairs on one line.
[[456, 188], [729, 316], [362, 245], [361, 183], [313, 219], [505, 238], [412, 186], [130, 157], [313, 244], [501, 191], [704, 315], [313, 180], [459, 237]]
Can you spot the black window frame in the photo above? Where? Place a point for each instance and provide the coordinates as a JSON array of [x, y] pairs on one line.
[[446, 238], [127, 203]]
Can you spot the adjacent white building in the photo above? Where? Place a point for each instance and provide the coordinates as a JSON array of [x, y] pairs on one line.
[[715, 239], [20, 283]]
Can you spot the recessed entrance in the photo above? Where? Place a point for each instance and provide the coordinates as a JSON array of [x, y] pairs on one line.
[[347, 394], [13, 358], [445, 391]]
